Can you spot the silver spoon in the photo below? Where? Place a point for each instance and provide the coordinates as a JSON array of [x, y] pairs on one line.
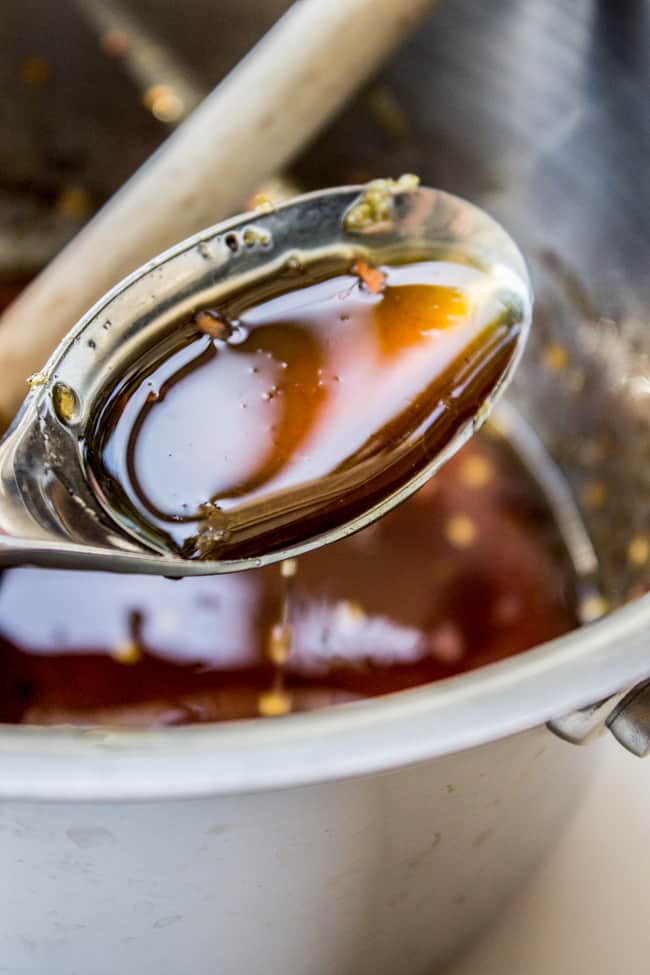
[[49, 513]]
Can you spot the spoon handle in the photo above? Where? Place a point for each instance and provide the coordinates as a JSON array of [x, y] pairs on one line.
[[258, 118]]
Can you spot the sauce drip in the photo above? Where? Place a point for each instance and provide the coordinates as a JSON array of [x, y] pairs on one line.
[[293, 408]]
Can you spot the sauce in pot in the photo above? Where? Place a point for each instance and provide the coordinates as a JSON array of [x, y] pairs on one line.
[[469, 570]]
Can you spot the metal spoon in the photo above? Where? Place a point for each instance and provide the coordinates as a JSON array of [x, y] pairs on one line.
[[49, 513]]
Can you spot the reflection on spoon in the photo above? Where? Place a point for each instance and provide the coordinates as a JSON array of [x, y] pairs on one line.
[[310, 406]]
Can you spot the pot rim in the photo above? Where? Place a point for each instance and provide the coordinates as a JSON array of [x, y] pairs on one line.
[[499, 699]]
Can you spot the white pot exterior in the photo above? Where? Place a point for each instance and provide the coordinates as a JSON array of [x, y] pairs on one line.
[[382, 874], [366, 839]]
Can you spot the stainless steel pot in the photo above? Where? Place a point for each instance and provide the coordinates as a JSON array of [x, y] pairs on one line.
[[362, 874], [379, 837]]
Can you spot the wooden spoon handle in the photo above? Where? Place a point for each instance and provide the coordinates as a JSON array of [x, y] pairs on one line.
[[270, 105]]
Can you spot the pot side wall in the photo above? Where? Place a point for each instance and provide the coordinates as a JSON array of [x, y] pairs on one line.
[[379, 875]]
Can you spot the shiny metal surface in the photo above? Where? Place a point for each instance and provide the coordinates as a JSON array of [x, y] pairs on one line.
[[49, 513], [582, 726], [537, 110], [629, 721]]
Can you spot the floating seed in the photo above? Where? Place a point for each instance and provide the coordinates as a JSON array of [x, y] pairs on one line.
[[288, 568], [592, 608], [593, 495], [65, 402], [460, 531], [273, 704], [294, 264], [349, 613], [164, 103], [35, 71], [127, 653], [555, 357], [74, 202], [253, 235], [476, 471], [638, 551], [375, 206], [263, 203], [279, 645]]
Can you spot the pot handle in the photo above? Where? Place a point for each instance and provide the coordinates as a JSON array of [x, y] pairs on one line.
[[626, 715]]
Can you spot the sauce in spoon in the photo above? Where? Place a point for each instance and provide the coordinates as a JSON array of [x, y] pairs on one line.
[[300, 403]]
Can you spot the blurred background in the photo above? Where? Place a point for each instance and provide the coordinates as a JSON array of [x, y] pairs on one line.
[[535, 109]]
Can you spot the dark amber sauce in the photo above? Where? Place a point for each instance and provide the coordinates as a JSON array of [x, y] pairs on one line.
[[289, 409], [467, 571]]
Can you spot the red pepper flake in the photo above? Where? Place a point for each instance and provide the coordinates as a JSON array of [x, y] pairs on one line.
[[211, 323], [372, 279]]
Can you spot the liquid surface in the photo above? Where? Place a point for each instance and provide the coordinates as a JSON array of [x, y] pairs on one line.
[[467, 571], [291, 409]]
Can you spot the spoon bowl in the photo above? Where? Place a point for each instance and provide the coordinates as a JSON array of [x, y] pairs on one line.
[[52, 514]]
